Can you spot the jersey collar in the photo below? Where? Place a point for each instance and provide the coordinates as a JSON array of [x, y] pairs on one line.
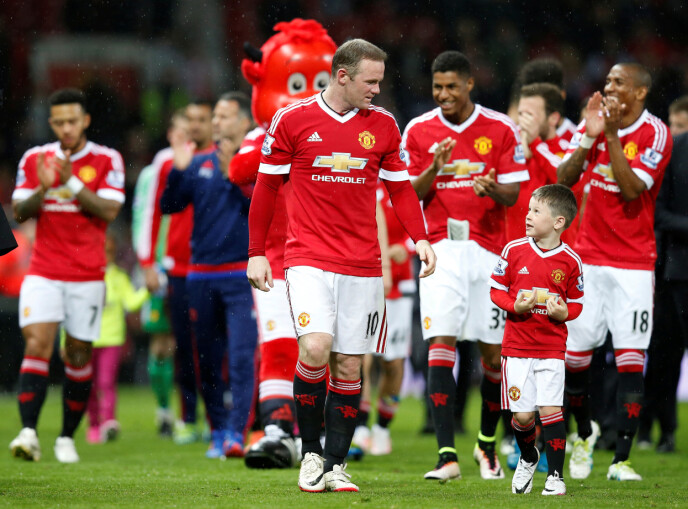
[[81, 153], [545, 254], [459, 128], [635, 125], [339, 118]]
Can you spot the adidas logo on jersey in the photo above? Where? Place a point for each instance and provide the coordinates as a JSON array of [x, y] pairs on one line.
[[314, 137], [524, 270]]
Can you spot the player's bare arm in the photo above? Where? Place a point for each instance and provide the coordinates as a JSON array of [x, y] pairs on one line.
[[525, 304], [105, 209], [28, 208], [569, 171], [443, 151], [487, 186], [630, 185], [557, 309], [427, 256], [259, 273]]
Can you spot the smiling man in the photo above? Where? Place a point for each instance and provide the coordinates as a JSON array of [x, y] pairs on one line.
[[625, 150], [466, 163], [329, 151]]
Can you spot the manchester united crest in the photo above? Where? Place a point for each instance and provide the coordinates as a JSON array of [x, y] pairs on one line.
[[483, 145], [427, 322], [558, 275], [630, 150], [514, 393], [366, 139], [304, 319], [87, 174]]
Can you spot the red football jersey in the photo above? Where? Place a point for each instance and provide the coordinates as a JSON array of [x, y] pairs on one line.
[[70, 243], [614, 232], [402, 280], [542, 169], [523, 266], [486, 140], [333, 162], [566, 130]]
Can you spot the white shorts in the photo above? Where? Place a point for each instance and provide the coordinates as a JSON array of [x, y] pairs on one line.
[[531, 383], [455, 300], [399, 322], [616, 300], [78, 305], [349, 308], [274, 316]]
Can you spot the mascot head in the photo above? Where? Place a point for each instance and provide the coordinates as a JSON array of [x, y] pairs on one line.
[[292, 64]]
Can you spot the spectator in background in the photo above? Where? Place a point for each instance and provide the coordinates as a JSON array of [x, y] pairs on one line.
[[220, 302], [678, 116], [670, 331]]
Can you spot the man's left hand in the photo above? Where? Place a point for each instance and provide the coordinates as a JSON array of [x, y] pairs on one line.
[[485, 185], [427, 256]]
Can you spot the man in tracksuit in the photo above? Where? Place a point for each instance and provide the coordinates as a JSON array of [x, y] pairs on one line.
[[220, 301]]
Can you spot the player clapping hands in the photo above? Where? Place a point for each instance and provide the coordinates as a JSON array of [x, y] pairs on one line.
[[556, 306]]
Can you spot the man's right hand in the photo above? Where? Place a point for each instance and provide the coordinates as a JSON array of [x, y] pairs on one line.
[[150, 276], [259, 273], [594, 115], [526, 303], [182, 151], [46, 176], [443, 153]]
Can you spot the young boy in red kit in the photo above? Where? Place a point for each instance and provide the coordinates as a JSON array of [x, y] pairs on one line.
[[539, 281]]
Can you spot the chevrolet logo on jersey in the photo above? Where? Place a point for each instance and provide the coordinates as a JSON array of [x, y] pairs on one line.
[[340, 162], [462, 168], [606, 171], [542, 295]]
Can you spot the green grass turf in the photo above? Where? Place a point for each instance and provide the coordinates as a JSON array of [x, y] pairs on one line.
[[141, 470]]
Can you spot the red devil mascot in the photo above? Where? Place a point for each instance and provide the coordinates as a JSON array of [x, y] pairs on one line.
[[293, 64]]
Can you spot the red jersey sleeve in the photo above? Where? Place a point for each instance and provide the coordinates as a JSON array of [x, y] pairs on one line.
[[409, 150], [574, 291], [653, 154], [27, 179], [243, 168], [112, 186], [261, 212], [511, 161], [500, 283], [392, 166], [277, 150], [545, 160]]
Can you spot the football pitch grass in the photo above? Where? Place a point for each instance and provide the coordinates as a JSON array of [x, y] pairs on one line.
[[142, 470]]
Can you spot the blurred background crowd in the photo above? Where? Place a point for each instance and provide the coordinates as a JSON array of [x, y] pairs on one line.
[[138, 61]]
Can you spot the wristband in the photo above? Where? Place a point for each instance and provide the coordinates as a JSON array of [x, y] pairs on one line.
[[74, 184], [587, 141]]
